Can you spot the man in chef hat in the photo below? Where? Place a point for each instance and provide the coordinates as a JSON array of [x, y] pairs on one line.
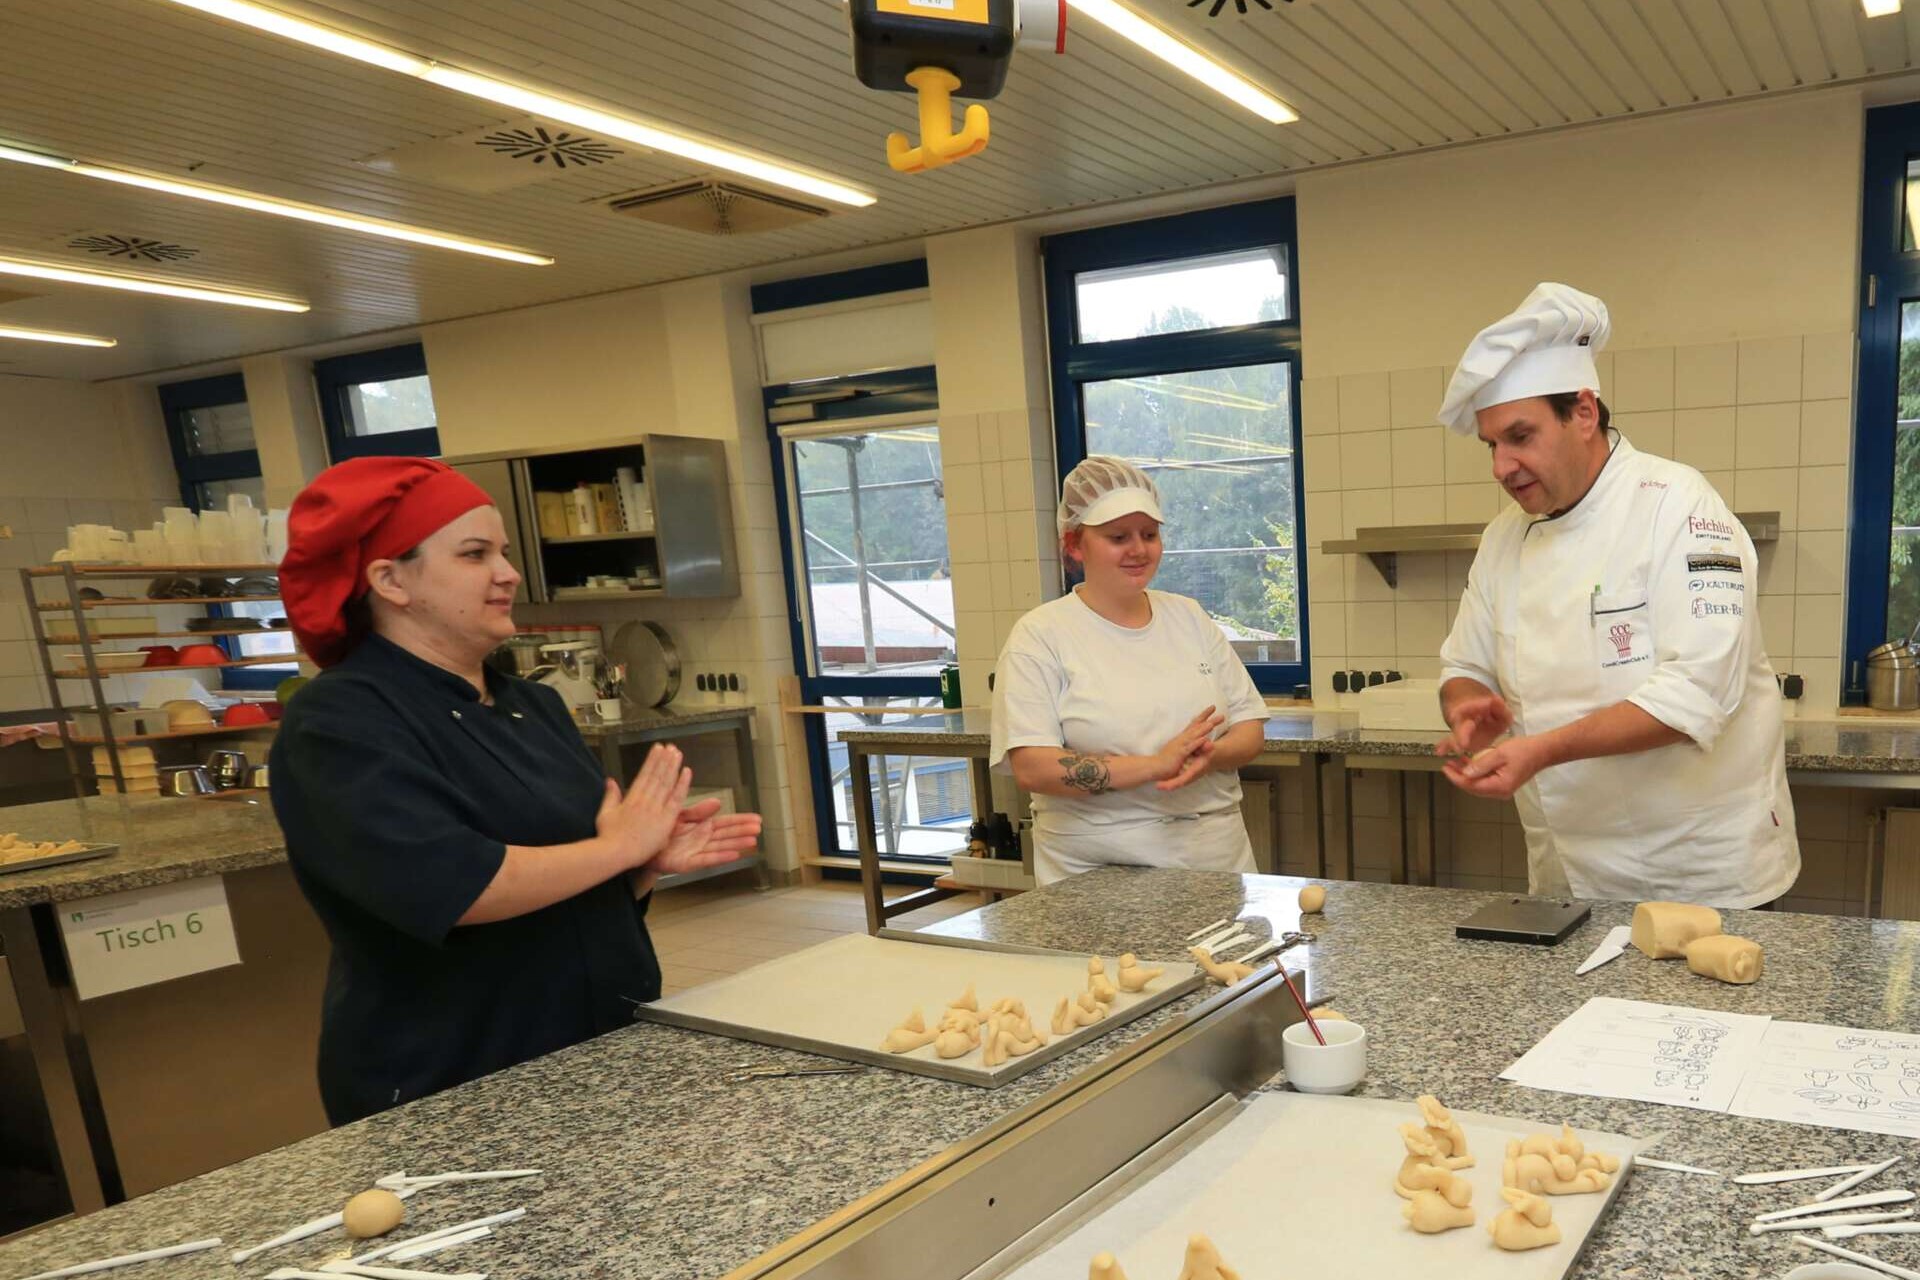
[[1610, 625]]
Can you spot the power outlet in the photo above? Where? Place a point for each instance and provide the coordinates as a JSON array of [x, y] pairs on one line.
[[720, 686]]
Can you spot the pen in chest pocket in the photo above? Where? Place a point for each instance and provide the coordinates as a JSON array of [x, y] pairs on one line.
[[1593, 607]]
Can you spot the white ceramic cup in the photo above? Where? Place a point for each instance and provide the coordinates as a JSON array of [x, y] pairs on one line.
[[608, 709], [1335, 1067]]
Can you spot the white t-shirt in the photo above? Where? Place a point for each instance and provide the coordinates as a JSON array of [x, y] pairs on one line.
[[1069, 678]]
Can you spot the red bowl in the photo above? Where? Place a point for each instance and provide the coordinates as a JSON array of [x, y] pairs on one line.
[[202, 655], [244, 713], [161, 655]]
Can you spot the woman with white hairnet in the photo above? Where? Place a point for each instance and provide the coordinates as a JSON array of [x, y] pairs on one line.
[[1123, 710]]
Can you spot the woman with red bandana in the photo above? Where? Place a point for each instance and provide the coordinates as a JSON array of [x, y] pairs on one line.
[[483, 884]]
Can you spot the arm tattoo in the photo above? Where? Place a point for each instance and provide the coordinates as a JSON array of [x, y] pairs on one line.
[[1086, 773]]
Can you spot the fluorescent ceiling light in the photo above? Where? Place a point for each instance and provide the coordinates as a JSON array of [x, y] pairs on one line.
[[1129, 25], [531, 101], [48, 335], [1880, 8], [136, 284], [280, 208]]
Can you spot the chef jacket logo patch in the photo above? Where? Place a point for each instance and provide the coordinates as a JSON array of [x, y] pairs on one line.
[[1707, 527], [1206, 668], [1697, 585], [1712, 609], [1714, 563]]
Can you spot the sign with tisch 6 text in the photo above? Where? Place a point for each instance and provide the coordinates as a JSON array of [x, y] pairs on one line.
[[120, 941]]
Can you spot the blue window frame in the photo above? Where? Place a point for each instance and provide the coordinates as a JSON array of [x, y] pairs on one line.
[[1203, 392], [1883, 557], [378, 403]]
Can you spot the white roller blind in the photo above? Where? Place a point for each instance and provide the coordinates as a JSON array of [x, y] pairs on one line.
[[891, 331]]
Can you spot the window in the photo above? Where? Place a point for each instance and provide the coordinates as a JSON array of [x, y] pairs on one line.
[[210, 432], [378, 403], [1883, 549], [1175, 344]]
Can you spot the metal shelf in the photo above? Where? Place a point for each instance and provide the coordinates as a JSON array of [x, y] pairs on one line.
[[124, 602], [203, 731], [122, 569], [636, 535], [107, 673]]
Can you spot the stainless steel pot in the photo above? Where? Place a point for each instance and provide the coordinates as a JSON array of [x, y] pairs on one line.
[[186, 780], [1893, 675], [228, 769]]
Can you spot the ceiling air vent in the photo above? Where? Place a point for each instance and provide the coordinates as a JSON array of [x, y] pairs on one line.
[[132, 248], [715, 208]]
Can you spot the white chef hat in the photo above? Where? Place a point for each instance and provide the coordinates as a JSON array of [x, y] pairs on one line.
[[1103, 488], [1544, 348]]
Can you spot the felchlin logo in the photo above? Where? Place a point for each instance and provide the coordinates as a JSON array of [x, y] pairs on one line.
[[1706, 524], [1621, 633]]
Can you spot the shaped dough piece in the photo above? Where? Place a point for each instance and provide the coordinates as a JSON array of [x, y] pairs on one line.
[[1098, 982], [1527, 1224], [1736, 960], [1132, 977], [1530, 1171], [373, 1213], [1226, 974], [960, 1020], [1422, 1153], [966, 1000], [910, 1035], [1204, 1263], [1006, 1006], [1105, 1267], [1662, 930], [1569, 1144], [956, 1043], [1429, 1213], [1312, 899], [1451, 1187], [1091, 1009], [1073, 1013], [1446, 1131]]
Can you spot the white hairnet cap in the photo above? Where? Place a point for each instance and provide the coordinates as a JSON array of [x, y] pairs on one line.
[[1544, 348], [1102, 489]]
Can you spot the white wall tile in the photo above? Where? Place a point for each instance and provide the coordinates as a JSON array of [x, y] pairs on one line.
[[1823, 498], [1642, 380], [967, 539], [1822, 563], [1720, 482], [1776, 624], [1323, 518], [1366, 460], [1023, 536], [1704, 439], [1777, 560], [1366, 509], [1016, 485], [1420, 504], [1026, 591], [1827, 366], [1319, 406], [1001, 577], [1365, 402], [1423, 576], [1370, 629], [1420, 626], [1327, 626], [987, 433], [1467, 458], [1704, 376], [47, 515], [1776, 489], [1472, 503], [997, 549], [1016, 440], [1826, 432], [1320, 463], [964, 492], [1326, 578], [1768, 435], [1769, 370], [1415, 395], [1364, 583], [1823, 682], [1816, 627], [959, 438], [1651, 432], [972, 588], [1419, 456]]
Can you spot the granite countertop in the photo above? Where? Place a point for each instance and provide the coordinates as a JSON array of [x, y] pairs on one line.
[[640, 720], [658, 1167], [161, 841], [1837, 746]]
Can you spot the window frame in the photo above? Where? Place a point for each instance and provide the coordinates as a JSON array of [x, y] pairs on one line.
[[177, 399], [1071, 363], [1887, 275], [334, 376]]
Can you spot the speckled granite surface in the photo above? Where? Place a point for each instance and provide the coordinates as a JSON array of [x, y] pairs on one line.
[[658, 1167], [161, 841], [1812, 745], [647, 721]]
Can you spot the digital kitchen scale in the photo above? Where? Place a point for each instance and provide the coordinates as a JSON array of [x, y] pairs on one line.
[[1543, 922]]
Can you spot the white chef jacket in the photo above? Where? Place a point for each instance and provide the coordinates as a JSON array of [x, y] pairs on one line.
[[1645, 592], [1069, 678]]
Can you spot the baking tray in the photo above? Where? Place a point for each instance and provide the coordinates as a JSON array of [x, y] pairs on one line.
[[1293, 1175], [76, 855], [841, 997]]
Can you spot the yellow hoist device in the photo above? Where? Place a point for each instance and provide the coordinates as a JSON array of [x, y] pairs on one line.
[[938, 49]]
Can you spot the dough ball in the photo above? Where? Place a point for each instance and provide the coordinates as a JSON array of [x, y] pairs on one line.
[[373, 1213], [1729, 959], [1662, 930], [1312, 898]]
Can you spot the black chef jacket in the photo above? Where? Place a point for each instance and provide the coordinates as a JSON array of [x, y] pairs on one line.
[[398, 791]]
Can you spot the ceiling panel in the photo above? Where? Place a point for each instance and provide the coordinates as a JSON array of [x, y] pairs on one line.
[[151, 85]]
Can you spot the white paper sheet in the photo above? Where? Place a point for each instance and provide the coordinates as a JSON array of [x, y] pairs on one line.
[[1299, 1185], [1610, 1048], [1835, 1077]]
